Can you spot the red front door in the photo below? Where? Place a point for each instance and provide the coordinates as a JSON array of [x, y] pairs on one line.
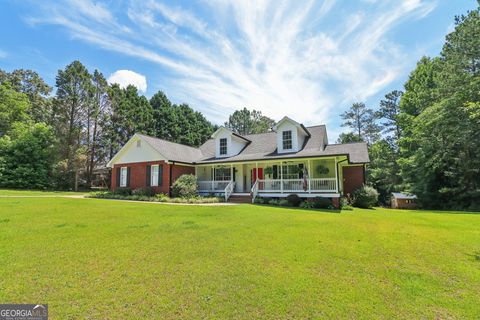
[[257, 173]]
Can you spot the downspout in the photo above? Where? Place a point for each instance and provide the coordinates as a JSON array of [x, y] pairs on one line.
[[338, 173], [170, 168], [364, 173]]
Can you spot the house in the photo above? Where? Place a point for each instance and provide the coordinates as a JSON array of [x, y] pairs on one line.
[[290, 159], [403, 201]]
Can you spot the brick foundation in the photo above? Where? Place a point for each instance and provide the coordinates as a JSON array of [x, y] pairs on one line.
[[336, 202]]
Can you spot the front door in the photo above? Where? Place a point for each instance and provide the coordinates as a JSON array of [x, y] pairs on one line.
[[256, 173]]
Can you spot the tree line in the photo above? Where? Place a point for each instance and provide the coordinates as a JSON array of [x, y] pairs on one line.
[[57, 140], [426, 138]]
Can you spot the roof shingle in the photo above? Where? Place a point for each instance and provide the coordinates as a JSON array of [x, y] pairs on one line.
[[262, 146]]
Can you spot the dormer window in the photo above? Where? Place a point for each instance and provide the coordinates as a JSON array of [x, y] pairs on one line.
[[223, 146], [287, 140]]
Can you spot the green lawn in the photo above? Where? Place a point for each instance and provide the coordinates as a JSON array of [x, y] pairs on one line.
[[99, 259], [29, 193]]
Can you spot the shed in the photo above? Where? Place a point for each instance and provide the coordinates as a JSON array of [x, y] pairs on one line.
[[403, 200]]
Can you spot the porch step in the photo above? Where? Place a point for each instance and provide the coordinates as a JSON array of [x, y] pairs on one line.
[[240, 198]]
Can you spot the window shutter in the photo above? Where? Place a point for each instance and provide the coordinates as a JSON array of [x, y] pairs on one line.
[[160, 174], [300, 173], [275, 172], [149, 174], [128, 177], [118, 170]]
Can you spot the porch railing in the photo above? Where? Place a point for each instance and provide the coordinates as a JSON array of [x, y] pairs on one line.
[[229, 190], [254, 191], [212, 186], [298, 185]]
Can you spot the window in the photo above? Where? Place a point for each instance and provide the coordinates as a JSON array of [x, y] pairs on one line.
[[223, 174], [287, 139], [154, 176], [123, 176], [223, 146], [289, 171]]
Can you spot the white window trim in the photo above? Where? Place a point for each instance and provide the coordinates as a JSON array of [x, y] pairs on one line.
[[123, 177], [220, 146], [223, 174], [291, 140], [154, 175]]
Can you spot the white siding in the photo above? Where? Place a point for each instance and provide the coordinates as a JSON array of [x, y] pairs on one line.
[[298, 137], [234, 144], [137, 153]]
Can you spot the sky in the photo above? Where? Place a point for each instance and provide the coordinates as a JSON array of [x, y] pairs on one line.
[[309, 60]]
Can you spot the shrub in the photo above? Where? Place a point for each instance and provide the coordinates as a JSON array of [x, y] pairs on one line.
[[185, 186], [294, 200], [138, 192], [344, 204], [307, 205], [365, 197], [123, 191], [196, 200], [150, 192], [273, 202], [322, 203], [284, 203], [160, 197], [259, 200]]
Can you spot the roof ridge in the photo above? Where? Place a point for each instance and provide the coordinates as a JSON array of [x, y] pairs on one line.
[[339, 144], [164, 140], [317, 125]]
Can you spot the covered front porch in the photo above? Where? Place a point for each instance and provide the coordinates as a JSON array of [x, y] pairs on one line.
[[306, 177]]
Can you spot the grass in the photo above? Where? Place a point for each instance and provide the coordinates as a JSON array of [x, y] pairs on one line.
[[29, 193], [102, 259]]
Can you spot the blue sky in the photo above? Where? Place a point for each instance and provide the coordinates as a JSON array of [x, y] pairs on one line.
[[306, 59]]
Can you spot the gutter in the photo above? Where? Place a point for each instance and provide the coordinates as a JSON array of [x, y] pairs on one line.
[[282, 159]]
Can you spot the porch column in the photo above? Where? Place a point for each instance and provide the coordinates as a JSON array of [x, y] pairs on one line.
[[336, 175], [309, 176], [231, 172], [281, 177], [213, 178]]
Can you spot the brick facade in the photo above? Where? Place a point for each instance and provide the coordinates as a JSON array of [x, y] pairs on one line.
[[138, 174], [336, 203], [353, 178]]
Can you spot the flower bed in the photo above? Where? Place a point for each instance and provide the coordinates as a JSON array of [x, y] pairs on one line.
[[136, 196]]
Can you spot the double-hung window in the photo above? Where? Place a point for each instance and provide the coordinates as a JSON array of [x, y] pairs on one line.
[[223, 146], [154, 176], [287, 140], [290, 172], [223, 174], [123, 176]]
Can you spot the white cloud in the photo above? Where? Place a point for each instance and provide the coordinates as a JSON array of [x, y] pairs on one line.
[[126, 77], [281, 58]]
